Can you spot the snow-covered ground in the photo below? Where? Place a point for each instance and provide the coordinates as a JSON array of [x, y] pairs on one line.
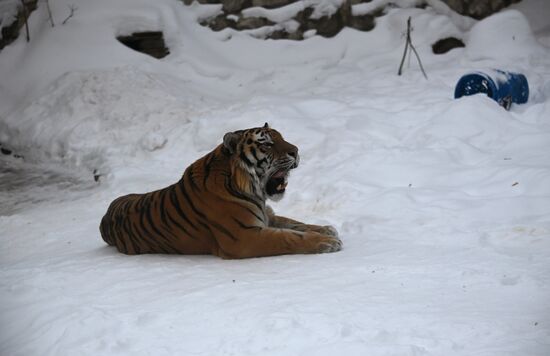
[[443, 205]]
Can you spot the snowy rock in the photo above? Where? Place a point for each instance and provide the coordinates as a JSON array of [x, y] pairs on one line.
[[269, 4], [328, 17], [326, 26], [478, 9], [12, 19], [219, 22], [247, 23], [231, 6], [362, 22]]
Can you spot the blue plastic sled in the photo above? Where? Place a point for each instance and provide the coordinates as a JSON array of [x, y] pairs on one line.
[[503, 87]]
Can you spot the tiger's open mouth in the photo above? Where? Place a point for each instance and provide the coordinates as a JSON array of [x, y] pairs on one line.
[[276, 184]]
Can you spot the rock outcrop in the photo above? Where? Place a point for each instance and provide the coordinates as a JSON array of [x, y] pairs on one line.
[[11, 24], [478, 9], [298, 19]]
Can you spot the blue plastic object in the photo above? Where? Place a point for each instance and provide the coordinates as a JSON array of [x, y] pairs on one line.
[[503, 87]]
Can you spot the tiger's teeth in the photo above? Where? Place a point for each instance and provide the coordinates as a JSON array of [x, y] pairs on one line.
[[281, 186]]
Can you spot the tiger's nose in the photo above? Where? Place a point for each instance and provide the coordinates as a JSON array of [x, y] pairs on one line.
[[292, 151]]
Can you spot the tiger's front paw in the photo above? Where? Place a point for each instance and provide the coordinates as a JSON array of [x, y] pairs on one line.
[[329, 230], [330, 244]]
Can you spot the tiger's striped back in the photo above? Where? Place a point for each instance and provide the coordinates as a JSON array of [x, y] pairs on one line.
[[157, 222]]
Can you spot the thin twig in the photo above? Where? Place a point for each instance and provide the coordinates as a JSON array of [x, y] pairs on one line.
[[49, 12], [408, 43], [419, 61], [409, 57], [73, 8], [403, 59], [26, 14]]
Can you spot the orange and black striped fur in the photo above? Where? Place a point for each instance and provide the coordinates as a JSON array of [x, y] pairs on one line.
[[219, 206]]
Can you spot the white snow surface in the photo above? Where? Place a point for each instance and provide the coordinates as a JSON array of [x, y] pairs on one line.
[[443, 205]]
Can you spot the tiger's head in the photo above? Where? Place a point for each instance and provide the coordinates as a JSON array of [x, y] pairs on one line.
[[265, 156]]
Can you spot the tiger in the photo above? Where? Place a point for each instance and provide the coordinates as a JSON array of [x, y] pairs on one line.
[[218, 207]]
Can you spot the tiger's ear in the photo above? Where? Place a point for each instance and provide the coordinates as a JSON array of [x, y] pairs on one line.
[[266, 126], [230, 141]]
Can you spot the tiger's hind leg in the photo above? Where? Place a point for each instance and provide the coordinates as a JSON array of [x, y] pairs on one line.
[[115, 226]]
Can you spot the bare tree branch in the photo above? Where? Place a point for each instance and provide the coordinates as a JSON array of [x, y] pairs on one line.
[[26, 14], [419, 61], [407, 44], [72, 8], [403, 59], [50, 12]]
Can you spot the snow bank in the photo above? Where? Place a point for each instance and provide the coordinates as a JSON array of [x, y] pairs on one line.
[[505, 36], [276, 15], [87, 118]]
